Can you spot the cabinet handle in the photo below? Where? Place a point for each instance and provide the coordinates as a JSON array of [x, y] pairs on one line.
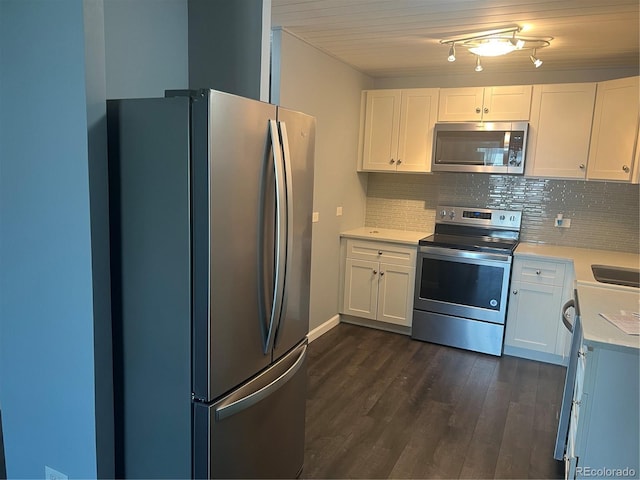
[[582, 165], [399, 161], [577, 403], [625, 168], [382, 274], [538, 272], [581, 354], [392, 161], [486, 110], [478, 110], [379, 252], [375, 272], [515, 292]]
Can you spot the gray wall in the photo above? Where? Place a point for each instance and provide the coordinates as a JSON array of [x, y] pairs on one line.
[[308, 80], [146, 47], [47, 358], [58, 63], [226, 42]]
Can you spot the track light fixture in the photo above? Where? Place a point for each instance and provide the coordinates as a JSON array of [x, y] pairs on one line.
[[535, 60], [495, 43], [452, 53], [478, 64]]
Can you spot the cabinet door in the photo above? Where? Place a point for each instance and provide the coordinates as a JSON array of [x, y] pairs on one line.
[[615, 129], [381, 128], [418, 112], [509, 103], [560, 130], [395, 297], [460, 104], [533, 317], [361, 288]]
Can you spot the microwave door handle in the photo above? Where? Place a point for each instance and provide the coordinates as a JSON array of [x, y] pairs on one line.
[[507, 141]]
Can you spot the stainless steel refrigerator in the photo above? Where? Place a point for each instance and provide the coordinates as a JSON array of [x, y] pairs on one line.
[[210, 216]]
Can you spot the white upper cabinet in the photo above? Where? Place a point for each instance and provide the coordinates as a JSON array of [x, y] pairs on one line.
[[494, 104], [560, 129], [398, 129], [615, 131]]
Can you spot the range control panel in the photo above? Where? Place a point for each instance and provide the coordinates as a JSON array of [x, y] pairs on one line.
[[481, 217]]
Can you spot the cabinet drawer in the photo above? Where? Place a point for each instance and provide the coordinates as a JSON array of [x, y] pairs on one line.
[[383, 252], [539, 272]]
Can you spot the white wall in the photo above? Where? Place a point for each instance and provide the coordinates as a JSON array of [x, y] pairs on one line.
[[308, 80], [527, 76]]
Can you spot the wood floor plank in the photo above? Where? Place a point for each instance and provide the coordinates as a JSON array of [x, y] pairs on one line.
[[381, 405]]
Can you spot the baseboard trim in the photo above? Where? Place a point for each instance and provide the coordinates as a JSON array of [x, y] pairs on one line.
[[364, 322], [324, 328], [535, 355]]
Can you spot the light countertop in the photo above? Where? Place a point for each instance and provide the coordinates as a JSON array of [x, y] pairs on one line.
[[598, 331], [595, 297], [582, 259], [386, 235]]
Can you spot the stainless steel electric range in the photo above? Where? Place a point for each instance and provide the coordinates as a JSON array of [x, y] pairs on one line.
[[462, 278]]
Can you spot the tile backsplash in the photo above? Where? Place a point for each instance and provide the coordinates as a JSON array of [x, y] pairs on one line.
[[604, 215]]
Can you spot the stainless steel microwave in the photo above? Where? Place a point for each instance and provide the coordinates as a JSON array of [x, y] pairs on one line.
[[480, 147]]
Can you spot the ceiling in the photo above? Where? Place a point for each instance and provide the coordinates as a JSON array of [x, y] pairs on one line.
[[395, 38]]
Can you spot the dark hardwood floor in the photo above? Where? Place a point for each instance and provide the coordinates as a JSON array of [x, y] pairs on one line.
[[381, 405]]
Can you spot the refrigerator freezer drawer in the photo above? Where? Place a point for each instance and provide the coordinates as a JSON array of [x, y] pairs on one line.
[[257, 431]]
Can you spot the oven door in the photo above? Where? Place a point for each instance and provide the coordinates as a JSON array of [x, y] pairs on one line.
[[461, 283]]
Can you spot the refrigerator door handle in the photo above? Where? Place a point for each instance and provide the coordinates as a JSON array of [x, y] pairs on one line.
[[288, 238], [565, 314], [280, 254], [246, 400]]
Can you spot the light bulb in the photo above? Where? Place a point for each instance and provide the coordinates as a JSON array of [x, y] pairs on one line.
[[536, 61], [478, 64], [452, 54]]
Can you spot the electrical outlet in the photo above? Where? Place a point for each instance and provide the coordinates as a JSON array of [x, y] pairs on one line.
[[338, 211], [563, 222], [315, 217], [52, 474]]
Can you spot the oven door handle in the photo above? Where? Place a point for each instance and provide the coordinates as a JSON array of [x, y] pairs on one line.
[[455, 253]]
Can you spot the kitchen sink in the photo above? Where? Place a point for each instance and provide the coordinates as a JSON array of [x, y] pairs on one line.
[[616, 275]]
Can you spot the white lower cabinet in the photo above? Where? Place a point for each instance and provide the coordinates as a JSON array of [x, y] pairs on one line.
[[534, 329], [379, 281], [603, 425]]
